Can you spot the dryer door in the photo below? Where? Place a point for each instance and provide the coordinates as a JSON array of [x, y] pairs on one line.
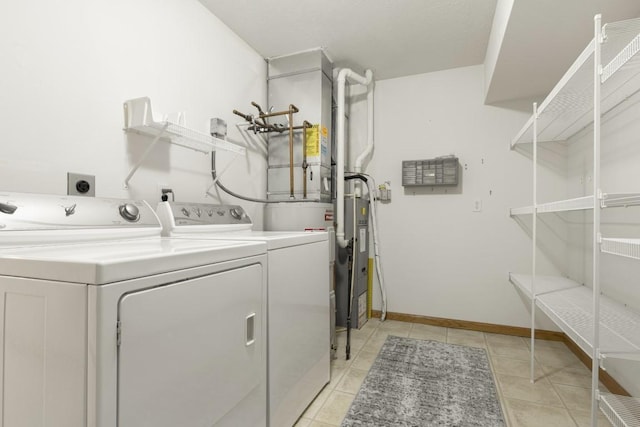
[[192, 353]]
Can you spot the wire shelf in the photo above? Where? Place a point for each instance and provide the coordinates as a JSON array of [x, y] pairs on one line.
[[626, 56], [544, 284], [604, 79], [613, 200], [525, 210], [572, 309], [579, 203], [576, 204], [621, 411], [628, 248], [570, 306], [139, 118], [569, 106]]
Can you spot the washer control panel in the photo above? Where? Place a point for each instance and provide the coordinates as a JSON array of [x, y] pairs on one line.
[[206, 214], [26, 211]]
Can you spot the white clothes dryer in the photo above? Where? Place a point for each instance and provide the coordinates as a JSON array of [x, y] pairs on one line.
[[105, 323], [298, 321]]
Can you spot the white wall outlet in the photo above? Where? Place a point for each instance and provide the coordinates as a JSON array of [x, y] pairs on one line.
[[477, 205], [81, 185]]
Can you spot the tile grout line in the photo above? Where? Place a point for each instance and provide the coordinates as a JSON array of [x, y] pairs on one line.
[[333, 390]]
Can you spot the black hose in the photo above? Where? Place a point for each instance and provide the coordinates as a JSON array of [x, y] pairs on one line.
[[359, 176], [349, 301]]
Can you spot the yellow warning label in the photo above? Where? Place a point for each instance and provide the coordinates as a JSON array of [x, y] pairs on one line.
[[325, 132], [313, 141]]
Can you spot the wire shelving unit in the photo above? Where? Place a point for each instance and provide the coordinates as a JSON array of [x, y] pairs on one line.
[[138, 118], [603, 77]]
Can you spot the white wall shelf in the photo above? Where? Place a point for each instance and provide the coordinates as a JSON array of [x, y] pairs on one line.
[[525, 210], [572, 309], [138, 118], [570, 305], [605, 75], [581, 203], [576, 204], [620, 200], [621, 411], [543, 285], [628, 248], [569, 106]]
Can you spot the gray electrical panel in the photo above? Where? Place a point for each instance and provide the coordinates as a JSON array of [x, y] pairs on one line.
[[361, 256], [304, 80], [438, 171]]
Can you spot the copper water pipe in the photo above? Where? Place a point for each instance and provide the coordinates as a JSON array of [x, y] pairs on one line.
[[291, 107], [305, 126], [272, 128], [290, 112]]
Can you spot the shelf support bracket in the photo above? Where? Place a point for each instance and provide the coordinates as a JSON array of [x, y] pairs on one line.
[[144, 155]]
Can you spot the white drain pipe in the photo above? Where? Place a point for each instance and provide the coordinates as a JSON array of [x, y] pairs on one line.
[[365, 80], [369, 148]]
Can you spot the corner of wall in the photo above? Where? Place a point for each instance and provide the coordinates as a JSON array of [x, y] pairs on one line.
[[498, 30]]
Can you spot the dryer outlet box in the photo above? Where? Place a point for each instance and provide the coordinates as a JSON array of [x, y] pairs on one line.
[[81, 185]]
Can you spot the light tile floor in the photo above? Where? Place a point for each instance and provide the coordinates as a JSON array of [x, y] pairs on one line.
[[560, 397]]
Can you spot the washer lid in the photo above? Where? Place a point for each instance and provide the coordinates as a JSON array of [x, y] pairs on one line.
[[112, 261]]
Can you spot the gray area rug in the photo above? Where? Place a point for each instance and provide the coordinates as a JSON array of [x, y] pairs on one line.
[[427, 383]]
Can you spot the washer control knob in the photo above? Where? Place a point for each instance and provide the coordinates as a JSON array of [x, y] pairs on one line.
[[198, 211], [70, 210], [210, 212], [129, 212], [186, 212], [7, 208], [236, 213]]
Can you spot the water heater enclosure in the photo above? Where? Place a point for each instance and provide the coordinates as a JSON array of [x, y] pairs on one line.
[[304, 80]]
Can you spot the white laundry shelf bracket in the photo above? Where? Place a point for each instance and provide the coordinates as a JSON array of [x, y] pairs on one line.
[[138, 118]]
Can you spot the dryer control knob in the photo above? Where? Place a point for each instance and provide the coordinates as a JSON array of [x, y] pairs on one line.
[[236, 213], [129, 212], [7, 208]]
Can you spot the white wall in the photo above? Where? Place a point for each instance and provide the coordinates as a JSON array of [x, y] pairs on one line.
[[440, 258], [68, 66]]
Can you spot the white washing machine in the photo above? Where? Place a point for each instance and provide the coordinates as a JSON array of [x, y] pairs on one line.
[[298, 348], [105, 323]]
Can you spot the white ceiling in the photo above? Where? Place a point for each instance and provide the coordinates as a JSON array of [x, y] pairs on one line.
[[392, 37], [541, 41], [396, 38]]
